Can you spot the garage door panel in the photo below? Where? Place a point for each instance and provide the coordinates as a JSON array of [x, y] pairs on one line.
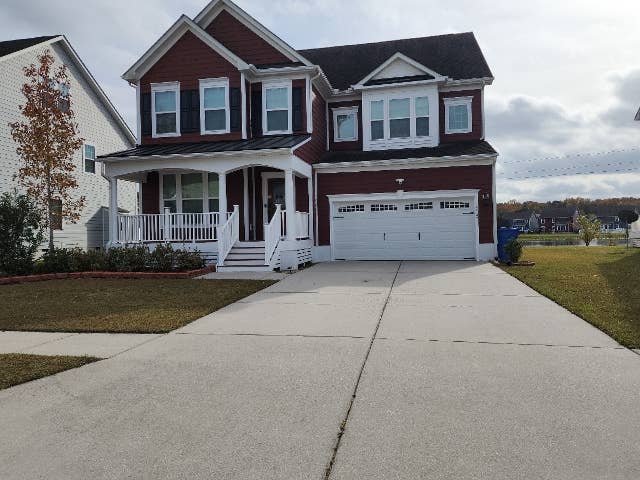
[[412, 234]]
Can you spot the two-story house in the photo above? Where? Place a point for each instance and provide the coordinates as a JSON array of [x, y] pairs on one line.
[[268, 156], [99, 123], [526, 221], [559, 219]]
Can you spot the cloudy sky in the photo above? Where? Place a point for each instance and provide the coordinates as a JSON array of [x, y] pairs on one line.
[[567, 73]]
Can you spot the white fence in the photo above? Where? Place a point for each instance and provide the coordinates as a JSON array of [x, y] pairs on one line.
[[168, 227]]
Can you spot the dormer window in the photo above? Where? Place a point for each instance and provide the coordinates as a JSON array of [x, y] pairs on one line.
[[214, 106], [399, 118], [345, 124], [165, 105], [457, 114], [377, 120], [277, 107], [422, 116]]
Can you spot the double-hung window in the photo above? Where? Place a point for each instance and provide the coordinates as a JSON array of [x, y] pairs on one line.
[[165, 104], [192, 192], [89, 158], [377, 119], [399, 118], [214, 106], [277, 107], [458, 114], [213, 192], [422, 116], [345, 124]]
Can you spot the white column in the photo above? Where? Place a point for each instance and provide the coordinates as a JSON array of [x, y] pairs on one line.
[[245, 202], [222, 199], [113, 210], [310, 190], [290, 203]]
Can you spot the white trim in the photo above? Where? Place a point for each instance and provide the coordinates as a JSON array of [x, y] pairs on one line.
[[214, 83], [159, 88], [277, 84], [245, 202], [169, 39], [345, 111], [138, 115], [94, 159], [404, 58], [455, 102], [309, 99], [243, 93], [406, 163], [213, 9]]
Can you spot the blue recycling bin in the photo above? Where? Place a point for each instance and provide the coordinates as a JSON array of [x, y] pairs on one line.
[[504, 235]]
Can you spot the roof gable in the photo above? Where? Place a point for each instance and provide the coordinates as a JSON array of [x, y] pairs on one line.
[[399, 66], [163, 45], [10, 47], [456, 56], [216, 7]]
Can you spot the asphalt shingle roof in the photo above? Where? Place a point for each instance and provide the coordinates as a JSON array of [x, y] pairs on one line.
[[476, 147], [263, 143], [12, 46], [457, 56]]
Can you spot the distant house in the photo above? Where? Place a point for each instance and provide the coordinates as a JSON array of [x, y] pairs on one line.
[[608, 216], [524, 220], [558, 219], [638, 115], [99, 124]]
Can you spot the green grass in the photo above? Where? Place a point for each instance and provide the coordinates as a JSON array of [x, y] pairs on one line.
[[116, 306], [18, 368], [561, 236], [599, 284]]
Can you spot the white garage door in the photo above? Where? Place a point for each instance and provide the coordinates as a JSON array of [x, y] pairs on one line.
[[408, 229]]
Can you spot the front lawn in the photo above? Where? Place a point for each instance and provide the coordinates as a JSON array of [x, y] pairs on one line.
[[562, 236], [116, 306], [19, 368], [599, 284]]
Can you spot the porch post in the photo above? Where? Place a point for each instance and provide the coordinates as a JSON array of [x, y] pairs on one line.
[[245, 202], [113, 211], [310, 193], [222, 200], [290, 202]]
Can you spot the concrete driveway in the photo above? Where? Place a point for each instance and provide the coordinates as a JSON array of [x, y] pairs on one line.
[[458, 370]]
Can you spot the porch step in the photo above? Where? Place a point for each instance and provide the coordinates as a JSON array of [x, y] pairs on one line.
[[249, 244], [240, 268], [244, 262], [246, 256]]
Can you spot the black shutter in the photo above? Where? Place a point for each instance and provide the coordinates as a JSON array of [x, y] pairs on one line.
[[145, 113], [296, 102], [256, 113], [189, 111], [235, 102]]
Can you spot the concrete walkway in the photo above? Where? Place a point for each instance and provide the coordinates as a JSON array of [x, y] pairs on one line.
[[458, 371]]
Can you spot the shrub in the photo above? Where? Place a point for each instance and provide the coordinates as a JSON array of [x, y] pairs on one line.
[[186, 260], [513, 249], [127, 259], [162, 258], [589, 228], [20, 234]]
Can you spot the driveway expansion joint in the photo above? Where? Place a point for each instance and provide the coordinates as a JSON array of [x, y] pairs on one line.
[[343, 424], [489, 342]]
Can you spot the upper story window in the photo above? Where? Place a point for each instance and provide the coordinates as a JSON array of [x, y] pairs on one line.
[[457, 114], [277, 107], [165, 105], [214, 106], [345, 124], [377, 119], [89, 158], [399, 118], [422, 116]]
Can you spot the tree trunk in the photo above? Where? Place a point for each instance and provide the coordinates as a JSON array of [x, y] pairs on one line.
[[50, 213]]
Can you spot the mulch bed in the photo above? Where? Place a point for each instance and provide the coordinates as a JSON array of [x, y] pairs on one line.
[[153, 275]]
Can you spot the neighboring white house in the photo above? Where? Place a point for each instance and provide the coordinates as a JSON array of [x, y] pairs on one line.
[[634, 233], [99, 124]]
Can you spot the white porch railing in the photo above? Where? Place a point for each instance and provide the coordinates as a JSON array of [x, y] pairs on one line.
[[302, 225], [168, 227], [272, 234], [228, 235]]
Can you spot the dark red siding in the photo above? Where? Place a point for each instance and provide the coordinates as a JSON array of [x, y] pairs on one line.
[[302, 194], [302, 84], [243, 42], [188, 61], [151, 193], [345, 145], [311, 151], [476, 116], [425, 179]]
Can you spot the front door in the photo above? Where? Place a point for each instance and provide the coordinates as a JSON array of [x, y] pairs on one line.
[[275, 195]]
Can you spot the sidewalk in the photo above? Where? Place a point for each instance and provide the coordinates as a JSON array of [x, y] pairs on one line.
[[101, 345]]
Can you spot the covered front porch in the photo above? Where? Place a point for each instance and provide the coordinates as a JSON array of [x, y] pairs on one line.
[[241, 211]]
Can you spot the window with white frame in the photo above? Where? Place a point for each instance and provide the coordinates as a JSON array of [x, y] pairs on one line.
[[351, 208], [399, 118], [422, 116], [458, 114], [276, 107], [383, 208], [419, 206], [165, 105], [89, 158], [192, 192], [377, 119], [345, 124], [214, 106], [454, 204]]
